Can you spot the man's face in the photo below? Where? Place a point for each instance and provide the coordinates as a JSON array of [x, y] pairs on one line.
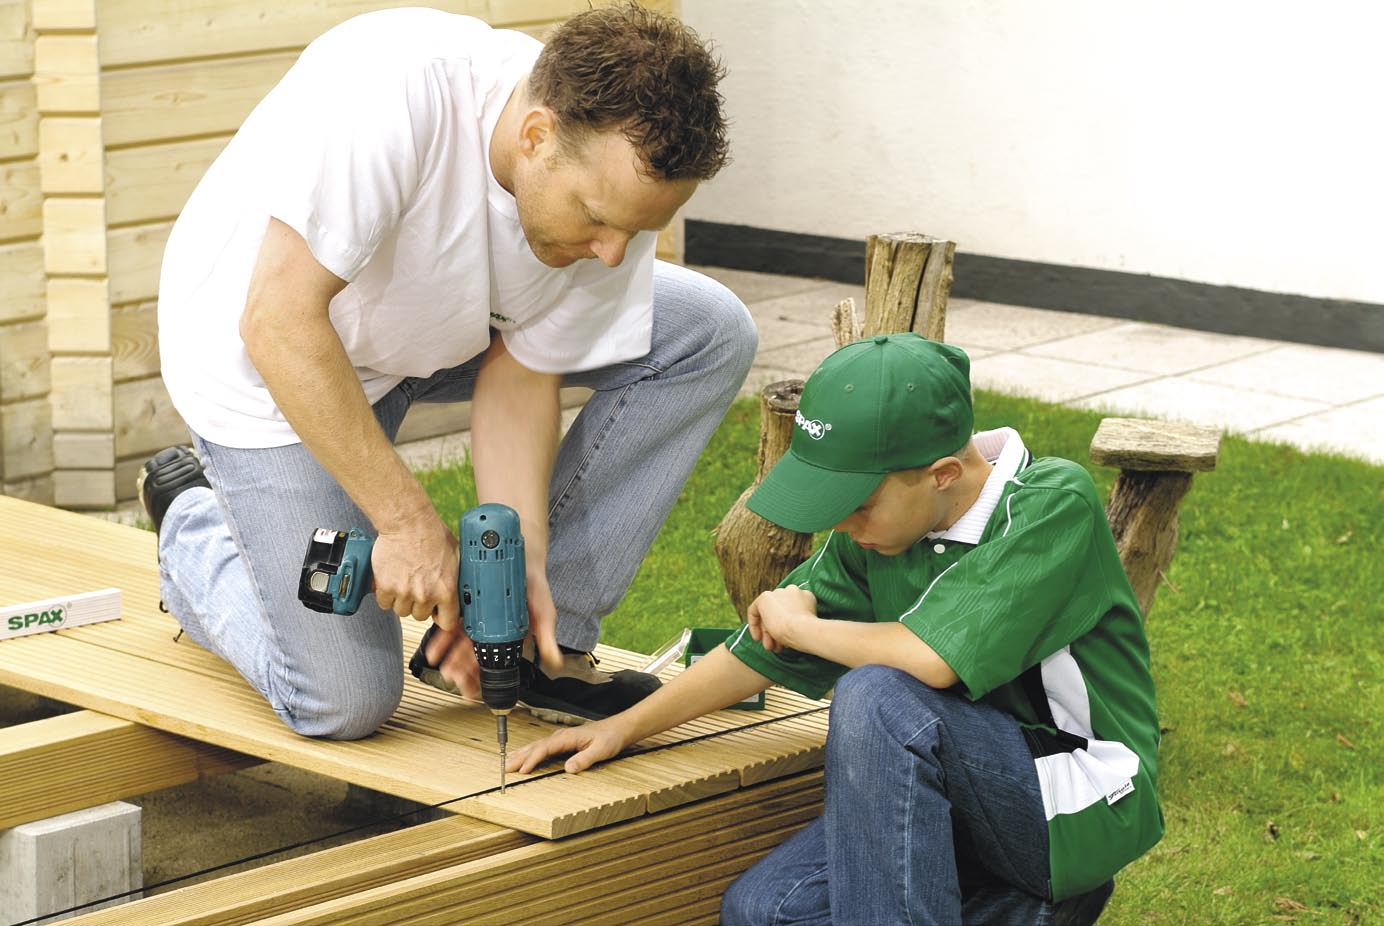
[[898, 513], [588, 203]]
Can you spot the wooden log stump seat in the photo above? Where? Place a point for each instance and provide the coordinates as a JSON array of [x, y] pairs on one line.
[[1156, 460]]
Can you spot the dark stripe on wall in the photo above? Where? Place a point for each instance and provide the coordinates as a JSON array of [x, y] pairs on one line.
[[1202, 306]]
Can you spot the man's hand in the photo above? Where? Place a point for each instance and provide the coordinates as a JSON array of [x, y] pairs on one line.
[[543, 620], [776, 616], [591, 743], [415, 570], [454, 654]]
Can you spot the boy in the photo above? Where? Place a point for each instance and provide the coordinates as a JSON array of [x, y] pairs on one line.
[[993, 740]]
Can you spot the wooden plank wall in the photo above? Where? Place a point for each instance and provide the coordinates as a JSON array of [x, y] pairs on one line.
[[133, 103], [26, 423]]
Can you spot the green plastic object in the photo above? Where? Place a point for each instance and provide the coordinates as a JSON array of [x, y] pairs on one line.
[[705, 639]]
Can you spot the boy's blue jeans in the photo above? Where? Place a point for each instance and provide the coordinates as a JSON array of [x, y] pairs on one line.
[[230, 560], [932, 815]]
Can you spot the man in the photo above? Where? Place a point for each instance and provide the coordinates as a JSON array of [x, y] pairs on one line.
[[426, 209], [992, 754]]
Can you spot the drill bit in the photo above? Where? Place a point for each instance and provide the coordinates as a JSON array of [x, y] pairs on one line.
[[502, 734]]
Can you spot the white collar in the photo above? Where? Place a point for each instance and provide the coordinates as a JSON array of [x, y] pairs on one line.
[[1005, 449]]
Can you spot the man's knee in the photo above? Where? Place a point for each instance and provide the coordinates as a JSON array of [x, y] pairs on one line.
[[341, 708], [710, 315]]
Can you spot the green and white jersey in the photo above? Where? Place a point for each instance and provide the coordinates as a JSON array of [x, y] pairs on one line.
[[1027, 601]]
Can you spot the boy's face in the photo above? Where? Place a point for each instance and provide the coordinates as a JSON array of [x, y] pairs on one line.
[[906, 506]]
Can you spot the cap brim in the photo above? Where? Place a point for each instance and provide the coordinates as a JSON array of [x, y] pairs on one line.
[[807, 498]]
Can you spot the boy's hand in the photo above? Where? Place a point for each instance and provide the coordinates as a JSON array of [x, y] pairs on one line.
[[775, 614], [592, 743]]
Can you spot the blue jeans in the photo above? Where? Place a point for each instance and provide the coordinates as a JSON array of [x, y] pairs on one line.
[[230, 558], [932, 815]]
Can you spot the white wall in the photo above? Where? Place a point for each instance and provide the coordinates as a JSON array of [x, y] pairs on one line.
[[1218, 141]]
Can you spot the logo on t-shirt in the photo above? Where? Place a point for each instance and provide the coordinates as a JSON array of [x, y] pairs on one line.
[[814, 428]]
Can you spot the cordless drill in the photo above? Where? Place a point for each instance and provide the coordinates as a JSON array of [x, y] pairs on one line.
[[491, 586]]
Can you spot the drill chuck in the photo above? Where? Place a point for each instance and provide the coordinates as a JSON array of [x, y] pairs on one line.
[[499, 667]]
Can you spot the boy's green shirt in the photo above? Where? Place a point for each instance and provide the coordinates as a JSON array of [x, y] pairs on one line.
[[1026, 600]]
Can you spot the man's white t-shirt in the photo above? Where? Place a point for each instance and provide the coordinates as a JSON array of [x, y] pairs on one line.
[[374, 147]]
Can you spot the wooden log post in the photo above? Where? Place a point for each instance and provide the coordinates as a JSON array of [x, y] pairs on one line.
[[756, 554], [1156, 460], [908, 280]]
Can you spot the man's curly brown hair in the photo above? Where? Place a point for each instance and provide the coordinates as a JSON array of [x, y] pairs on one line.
[[646, 74]]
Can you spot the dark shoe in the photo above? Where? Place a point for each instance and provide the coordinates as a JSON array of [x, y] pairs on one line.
[[429, 675], [1083, 909], [164, 477], [579, 691], [577, 694]]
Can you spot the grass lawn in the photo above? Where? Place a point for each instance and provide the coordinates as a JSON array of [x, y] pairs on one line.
[[1267, 653]]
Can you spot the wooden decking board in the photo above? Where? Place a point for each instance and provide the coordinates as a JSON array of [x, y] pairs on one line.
[[81, 759], [437, 749], [248, 896], [483, 891]]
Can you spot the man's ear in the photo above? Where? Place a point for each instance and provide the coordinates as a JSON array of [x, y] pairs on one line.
[[946, 472], [537, 133]]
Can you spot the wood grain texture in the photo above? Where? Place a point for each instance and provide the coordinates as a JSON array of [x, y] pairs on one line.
[[135, 253], [81, 393], [145, 419], [79, 319], [298, 883], [26, 443], [667, 869], [74, 236], [23, 361], [152, 182], [156, 104], [66, 74], [16, 39], [83, 759], [64, 14], [1166, 446], [70, 155], [21, 201], [908, 281], [21, 280], [84, 489], [18, 119], [131, 668]]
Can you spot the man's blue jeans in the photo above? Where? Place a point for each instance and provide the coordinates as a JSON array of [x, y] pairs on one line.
[[932, 815], [230, 559]]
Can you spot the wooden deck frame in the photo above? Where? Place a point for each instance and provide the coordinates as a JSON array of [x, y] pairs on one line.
[[82, 759], [670, 868]]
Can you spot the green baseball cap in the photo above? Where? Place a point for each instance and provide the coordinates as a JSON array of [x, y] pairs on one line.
[[876, 406]]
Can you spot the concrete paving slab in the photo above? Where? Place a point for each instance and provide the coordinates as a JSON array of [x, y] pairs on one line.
[[1157, 349], [775, 332], [756, 287], [1180, 399], [802, 357], [1046, 378], [1322, 374], [762, 376], [1350, 430], [1009, 327], [811, 307]]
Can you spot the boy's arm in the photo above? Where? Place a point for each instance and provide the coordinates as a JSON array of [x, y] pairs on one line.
[[788, 617], [717, 680]]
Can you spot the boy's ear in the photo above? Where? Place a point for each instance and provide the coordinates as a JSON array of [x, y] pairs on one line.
[[946, 472]]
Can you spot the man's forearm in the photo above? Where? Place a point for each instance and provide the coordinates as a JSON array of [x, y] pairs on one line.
[[514, 426], [859, 643]]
